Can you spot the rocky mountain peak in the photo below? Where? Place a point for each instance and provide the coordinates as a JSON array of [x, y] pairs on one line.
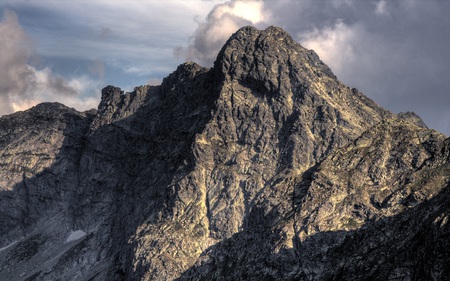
[[115, 104], [262, 55], [265, 167], [268, 78], [183, 73]]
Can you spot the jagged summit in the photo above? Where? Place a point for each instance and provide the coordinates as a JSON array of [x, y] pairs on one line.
[[265, 167], [250, 35], [267, 71], [249, 48]]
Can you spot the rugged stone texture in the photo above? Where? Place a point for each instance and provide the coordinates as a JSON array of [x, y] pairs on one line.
[[413, 118], [368, 211], [40, 155], [37, 147], [264, 167]]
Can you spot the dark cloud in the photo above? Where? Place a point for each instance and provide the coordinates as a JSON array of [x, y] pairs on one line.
[[105, 32], [394, 51]]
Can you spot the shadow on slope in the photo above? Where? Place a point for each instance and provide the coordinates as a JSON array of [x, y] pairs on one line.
[[137, 161], [41, 147], [105, 182]]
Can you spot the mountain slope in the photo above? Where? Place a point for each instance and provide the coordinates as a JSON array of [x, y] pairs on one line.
[[263, 167]]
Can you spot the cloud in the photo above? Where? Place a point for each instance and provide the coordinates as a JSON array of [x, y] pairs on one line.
[[221, 22], [380, 8], [129, 35], [335, 44], [105, 32], [340, 3], [393, 51], [97, 68], [15, 49], [23, 85]]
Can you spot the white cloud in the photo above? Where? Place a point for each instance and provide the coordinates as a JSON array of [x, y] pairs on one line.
[[221, 22], [81, 92], [23, 85], [335, 44], [15, 49]]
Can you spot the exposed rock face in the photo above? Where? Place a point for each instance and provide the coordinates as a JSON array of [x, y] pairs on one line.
[[413, 118], [264, 167]]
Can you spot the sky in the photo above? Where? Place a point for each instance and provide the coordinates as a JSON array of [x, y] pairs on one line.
[[396, 52]]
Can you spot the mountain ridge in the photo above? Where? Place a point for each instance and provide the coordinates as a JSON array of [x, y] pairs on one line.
[[258, 168]]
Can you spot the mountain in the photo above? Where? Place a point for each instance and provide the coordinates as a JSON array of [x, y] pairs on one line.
[[264, 167]]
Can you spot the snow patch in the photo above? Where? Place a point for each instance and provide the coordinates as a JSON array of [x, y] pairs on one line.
[[74, 235]]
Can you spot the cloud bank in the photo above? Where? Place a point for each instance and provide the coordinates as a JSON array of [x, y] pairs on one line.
[[23, 85]]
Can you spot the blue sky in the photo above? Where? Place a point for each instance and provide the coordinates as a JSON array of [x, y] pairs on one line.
[[396, 52]]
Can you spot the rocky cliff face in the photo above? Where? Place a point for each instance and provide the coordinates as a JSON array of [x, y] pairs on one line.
[[264, 167]]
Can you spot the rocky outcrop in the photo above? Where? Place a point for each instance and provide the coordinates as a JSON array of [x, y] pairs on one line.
[[37, 147], [413, 118], [263, 167], [40, 171]]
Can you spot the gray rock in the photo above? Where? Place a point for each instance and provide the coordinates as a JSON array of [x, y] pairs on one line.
[[265, 167], [413, 118]]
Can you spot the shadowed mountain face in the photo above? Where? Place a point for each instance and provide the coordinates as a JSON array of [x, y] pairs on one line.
[[264, 167]]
